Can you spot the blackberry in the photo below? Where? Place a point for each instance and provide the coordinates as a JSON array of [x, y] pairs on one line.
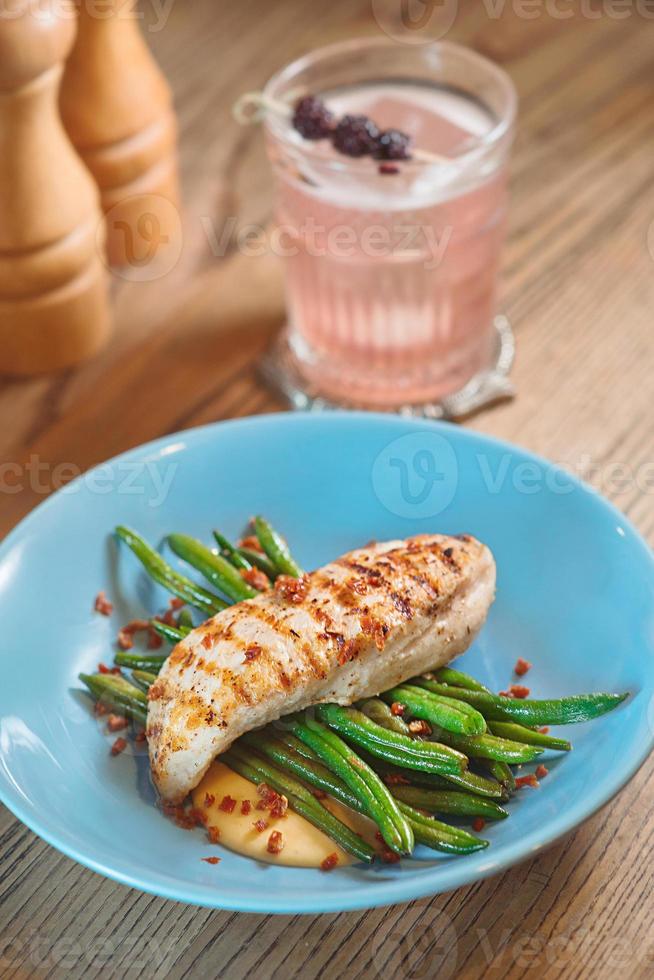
[[312, 118], [355, 136], [392, 144]]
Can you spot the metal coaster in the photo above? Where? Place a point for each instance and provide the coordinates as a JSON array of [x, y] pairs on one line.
[[280, 369]]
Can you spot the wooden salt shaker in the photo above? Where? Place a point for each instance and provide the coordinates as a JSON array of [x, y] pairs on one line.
[[116, 107], [53, 290]]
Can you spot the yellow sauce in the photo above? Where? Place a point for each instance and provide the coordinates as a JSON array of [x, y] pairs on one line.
[[304, 845]]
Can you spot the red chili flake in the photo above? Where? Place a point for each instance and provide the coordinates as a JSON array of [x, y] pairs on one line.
[[544, 730], [396, 779], [528, 780], [256, 577], [253, 652], [521, 667], [211, 860], [275, 842], [103, 605], [246, 806], [251, 542], [397, 708], [419, 727], [119, 746], [478, 824], [209, 799], [260, 825], [519, 691], [213, 834], [389, 857], [292, 589], [330, 862], [116, 723], [541, 771], [227, 804]]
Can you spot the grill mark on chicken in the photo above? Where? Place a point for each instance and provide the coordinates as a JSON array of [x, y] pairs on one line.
[[365, 622]]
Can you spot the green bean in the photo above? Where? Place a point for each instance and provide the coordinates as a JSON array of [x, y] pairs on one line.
[[117, 692], [143, 679], [168, 632], [446, 712], [379, 712], [489, 747], [447, 675], [300, 799], [519, 733], [407, 752], [230, 552], [441, 836], [468, 781], [276, 548], [500, 771], [215, 568], [259, 560], [185, 621], [159, 569], [449, 801], [564, 711], [140, 661], [361, 779]]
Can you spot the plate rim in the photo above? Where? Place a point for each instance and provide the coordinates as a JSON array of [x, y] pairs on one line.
[[388, 891]]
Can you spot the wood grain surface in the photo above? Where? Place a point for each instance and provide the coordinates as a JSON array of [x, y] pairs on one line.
[[578, 288]]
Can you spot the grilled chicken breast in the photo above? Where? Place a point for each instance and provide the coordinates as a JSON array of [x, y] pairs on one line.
[[361, 624]]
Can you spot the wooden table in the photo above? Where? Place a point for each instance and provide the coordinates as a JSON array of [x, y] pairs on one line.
[[579, 291]]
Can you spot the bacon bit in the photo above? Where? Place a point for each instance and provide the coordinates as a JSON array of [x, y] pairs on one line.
[[199, 817], [126, 634], [251, 542], [209, 799], [478, 824], [541, 771], [211, 860], [255, 577], [528, 780], [389, 857], [116, 723], [103, 669], [176, 603], [279, 808], [99, 709], [378, 836], [519, 691], [275, 842], [330, 862], [521, 667], [419, 727], [140, 737], [253, 652], [292, 589], [154, 640], [246, 806], [119, 746], [267, 793], [227, 804], [397, 708], [505, 694], [544, 730], [103, 605], [260, 825], [396, 779], [213, 834]]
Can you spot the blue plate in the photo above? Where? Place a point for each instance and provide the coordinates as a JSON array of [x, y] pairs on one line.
[[575, 597]]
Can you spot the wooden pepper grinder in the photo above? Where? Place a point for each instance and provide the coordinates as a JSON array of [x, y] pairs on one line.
[[116, 107], [53, 291]]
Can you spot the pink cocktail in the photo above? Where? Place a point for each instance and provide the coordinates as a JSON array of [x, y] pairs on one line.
[[391, 268]]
